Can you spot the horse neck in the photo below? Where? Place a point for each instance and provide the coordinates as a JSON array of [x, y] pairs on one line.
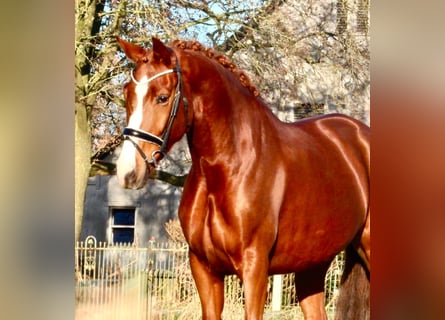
[[227, 116]]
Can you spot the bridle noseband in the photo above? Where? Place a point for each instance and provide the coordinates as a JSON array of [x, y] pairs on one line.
[[162, 141]]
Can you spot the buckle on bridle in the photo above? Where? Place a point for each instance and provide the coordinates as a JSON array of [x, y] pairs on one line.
[[153, 159]]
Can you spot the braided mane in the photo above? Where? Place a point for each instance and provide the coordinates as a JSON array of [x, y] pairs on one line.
[[220, 58]]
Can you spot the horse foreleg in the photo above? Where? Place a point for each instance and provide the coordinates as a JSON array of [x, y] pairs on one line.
[[210, 289], [309, 286], [254, 277]]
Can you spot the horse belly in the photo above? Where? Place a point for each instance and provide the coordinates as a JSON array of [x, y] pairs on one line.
[[308, 238]]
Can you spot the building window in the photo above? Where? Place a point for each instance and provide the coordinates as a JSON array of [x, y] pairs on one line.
[[122, 225]]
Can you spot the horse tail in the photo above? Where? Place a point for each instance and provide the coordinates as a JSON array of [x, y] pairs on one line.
[[352, 302]]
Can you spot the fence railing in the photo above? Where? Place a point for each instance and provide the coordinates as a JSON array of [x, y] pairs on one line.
[[155, 282]]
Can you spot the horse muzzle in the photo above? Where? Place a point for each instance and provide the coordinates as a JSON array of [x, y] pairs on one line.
[[133, 166]]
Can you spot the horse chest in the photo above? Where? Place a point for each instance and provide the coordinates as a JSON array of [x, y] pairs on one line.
[[216, 237], [217, 241]]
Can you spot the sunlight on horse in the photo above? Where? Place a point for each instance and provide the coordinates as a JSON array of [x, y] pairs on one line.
[[262, 196]]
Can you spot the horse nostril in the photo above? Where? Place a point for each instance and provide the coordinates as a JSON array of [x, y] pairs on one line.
[[130, 179]]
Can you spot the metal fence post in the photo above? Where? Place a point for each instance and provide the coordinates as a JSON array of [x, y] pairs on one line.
[[277, 291], [149, 274]]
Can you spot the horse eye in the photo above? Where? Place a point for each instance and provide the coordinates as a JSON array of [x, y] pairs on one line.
[[162, 99]]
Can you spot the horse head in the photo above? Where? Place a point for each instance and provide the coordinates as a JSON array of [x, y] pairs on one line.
[[154, 99]]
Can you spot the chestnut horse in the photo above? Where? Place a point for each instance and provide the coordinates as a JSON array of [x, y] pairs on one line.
[[262, 196]]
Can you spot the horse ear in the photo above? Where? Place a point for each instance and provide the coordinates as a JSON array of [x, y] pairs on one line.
[[161, 52], [132, 51]]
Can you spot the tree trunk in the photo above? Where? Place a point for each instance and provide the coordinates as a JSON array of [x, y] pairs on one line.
[[87, 24], [82, 164]]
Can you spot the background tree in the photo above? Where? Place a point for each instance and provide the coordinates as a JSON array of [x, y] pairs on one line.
[[94, 54]]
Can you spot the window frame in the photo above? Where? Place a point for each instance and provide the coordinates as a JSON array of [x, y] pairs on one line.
[[112, 226]]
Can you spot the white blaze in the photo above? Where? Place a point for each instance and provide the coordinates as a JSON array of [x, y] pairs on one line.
[[127, 159], [136, 117]]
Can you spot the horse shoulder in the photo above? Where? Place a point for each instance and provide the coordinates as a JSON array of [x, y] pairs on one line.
[[193, 206]]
